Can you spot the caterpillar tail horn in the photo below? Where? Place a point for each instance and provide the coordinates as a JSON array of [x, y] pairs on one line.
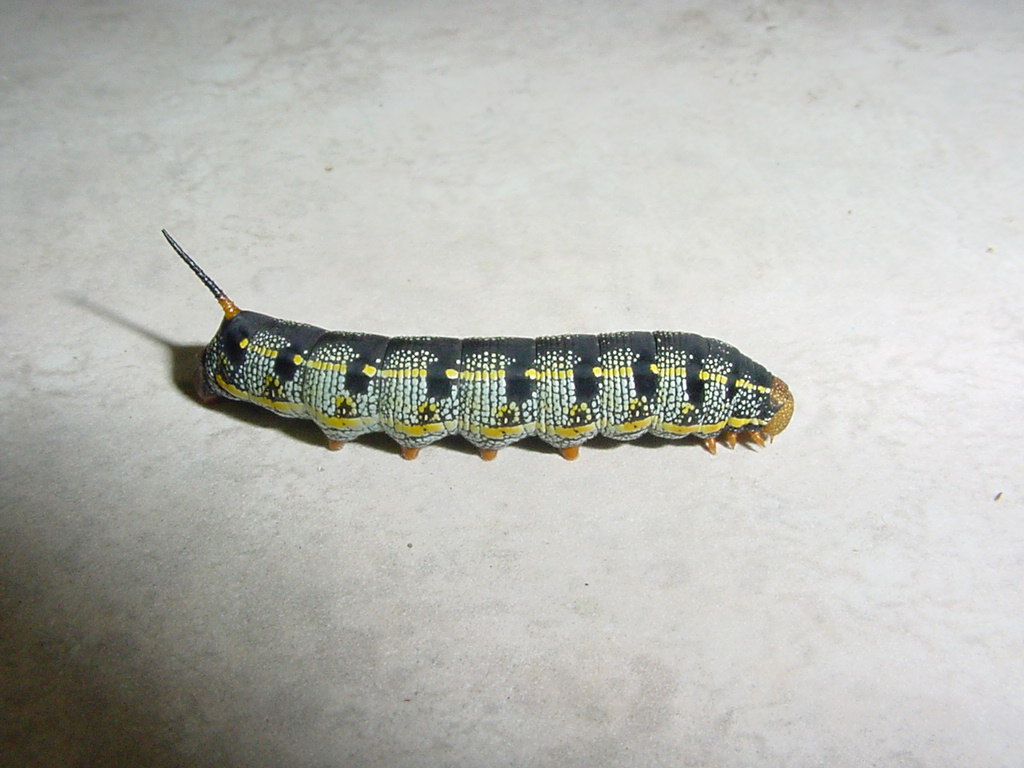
[[230, 308]]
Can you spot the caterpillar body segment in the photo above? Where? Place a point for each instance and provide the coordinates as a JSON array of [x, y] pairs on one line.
[[494, 391]]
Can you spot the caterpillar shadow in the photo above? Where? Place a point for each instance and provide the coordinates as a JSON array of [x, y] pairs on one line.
[[182, 362]]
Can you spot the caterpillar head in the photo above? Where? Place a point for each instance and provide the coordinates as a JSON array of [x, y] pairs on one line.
[[782, 402]]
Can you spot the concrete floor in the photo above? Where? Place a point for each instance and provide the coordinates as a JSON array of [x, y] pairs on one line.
[[836, 188]]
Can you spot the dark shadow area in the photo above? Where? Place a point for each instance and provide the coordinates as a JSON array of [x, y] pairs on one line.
[[64, 706], [85, 683], [182, 362], [650, 442], [602, 443]]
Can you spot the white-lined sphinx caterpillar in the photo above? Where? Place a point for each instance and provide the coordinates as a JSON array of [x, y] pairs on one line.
[[491, 391]]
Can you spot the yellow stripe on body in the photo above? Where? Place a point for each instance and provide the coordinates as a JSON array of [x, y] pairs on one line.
[[421, 430], [534, 374], [631, 426], [709, 376], [281, 406], [744, 384], [323, 365], [735, 421], [622, 371], [338, 422], [570, 432], [261, 350], [497, 433], [678, 429], [482, 375]]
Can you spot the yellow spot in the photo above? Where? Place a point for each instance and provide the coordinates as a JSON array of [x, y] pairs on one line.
[[451, 373], [369, 370], [506, 413], [686, 407], [655, 368], [243, 343], [427, 408], [297, 359], [598, 371], [531, 373]]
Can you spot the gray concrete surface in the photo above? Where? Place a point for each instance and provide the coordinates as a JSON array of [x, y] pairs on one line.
[[835, 188]]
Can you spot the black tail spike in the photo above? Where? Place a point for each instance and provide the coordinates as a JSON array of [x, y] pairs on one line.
[[229, 307]]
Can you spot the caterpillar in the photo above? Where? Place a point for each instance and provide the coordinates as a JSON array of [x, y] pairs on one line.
[[491, 391]]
